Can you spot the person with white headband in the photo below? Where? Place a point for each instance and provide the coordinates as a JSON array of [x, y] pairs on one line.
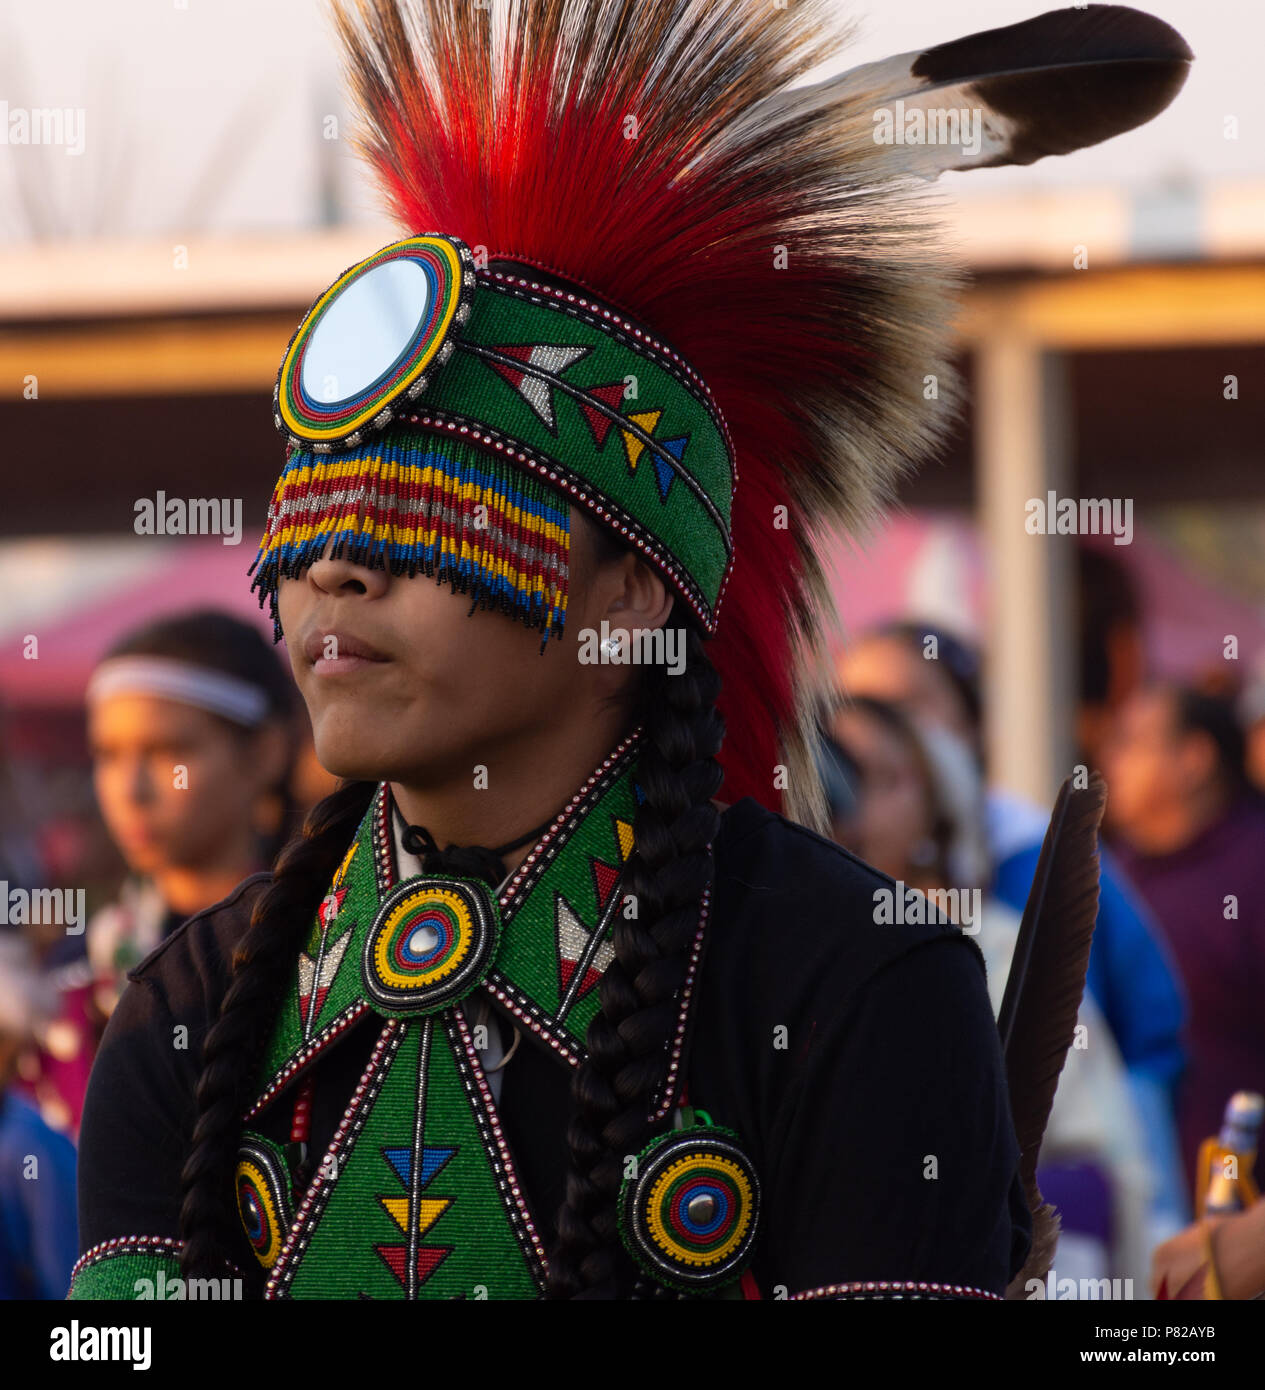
[[191, 732]]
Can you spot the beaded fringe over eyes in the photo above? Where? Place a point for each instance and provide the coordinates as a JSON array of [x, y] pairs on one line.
[[418, 504]]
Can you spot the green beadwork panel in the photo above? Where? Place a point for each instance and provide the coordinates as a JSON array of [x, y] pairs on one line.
[[558, 942], [417, 1164], [415, 1198]]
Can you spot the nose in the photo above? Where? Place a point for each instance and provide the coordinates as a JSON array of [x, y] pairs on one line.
[[344, 577], [138, 782]]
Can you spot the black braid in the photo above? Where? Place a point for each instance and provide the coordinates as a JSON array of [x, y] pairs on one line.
[[281, 920], [667, 872]]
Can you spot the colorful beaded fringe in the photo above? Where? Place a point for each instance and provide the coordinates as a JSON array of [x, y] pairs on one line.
[[420, 504]]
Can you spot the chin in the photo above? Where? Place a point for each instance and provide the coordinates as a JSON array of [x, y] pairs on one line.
[[146, 862], [354, 763], [351, 752], [372, 748]]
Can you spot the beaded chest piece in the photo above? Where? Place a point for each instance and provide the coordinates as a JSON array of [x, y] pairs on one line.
[[417, 1195]]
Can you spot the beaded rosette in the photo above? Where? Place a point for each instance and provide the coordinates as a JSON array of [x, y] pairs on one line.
[[688, 1213]]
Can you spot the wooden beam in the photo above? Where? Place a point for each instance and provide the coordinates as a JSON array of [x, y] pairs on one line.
[[1021, 453], [1140, 306], [184, 357]]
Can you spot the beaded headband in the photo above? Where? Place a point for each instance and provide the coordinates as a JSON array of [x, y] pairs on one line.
[[440, 418]]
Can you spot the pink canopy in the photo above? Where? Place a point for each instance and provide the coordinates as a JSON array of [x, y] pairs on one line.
[[933, 567], [76, 596]]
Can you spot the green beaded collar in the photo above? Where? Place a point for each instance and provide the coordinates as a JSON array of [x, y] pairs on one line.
[[555, 924]]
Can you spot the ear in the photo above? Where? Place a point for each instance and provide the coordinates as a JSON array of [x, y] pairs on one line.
[[642, 599], [1049, 85]]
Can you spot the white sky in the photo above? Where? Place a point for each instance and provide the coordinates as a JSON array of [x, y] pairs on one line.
[[206, 114]]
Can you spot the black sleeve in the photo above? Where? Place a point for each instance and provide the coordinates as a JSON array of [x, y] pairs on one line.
[[138, 1119], [895, 1157]]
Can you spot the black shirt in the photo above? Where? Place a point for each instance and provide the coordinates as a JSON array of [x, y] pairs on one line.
[[859, 1063]]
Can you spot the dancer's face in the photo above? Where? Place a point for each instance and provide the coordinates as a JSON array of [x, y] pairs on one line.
[[174, 783], [442, 688]]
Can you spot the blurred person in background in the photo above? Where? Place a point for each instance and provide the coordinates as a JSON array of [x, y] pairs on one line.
[[1112, 648], [1251, 713], [1192, 837], [21, 864], [1131, 979], [193, 737], [900, 822], [840, 778], [913, 822], [39, 1234]]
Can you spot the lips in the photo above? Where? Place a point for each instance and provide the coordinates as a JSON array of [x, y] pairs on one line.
[[136, 836], [344, 644]]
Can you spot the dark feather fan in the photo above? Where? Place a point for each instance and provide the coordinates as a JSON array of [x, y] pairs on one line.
[[1037, 1019]]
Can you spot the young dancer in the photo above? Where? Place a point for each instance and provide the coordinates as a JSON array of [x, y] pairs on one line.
[[558, 995]]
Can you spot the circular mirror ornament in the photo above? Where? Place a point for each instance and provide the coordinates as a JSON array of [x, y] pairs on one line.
[[366, 348], [263, 1200], [688, 1217], [431, 943]]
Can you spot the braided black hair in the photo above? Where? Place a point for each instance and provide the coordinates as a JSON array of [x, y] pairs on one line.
[[209, 1224], [666, 875]]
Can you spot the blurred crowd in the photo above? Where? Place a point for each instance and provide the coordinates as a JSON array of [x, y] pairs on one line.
[[1171, 1025], [1172, 1022]]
